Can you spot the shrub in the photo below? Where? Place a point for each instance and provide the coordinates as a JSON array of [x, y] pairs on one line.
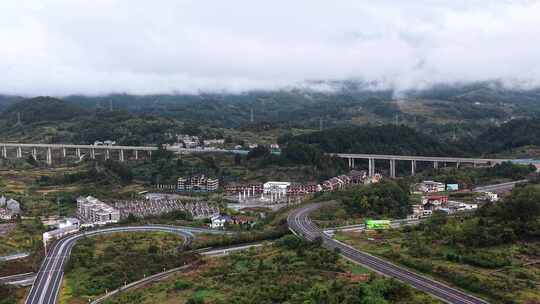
[[182, 285]]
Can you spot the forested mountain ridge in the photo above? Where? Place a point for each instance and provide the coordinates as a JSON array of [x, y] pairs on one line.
[[386, 139], [344, 103], [403, 140], [513, 134], [477, 119], [41, 109]]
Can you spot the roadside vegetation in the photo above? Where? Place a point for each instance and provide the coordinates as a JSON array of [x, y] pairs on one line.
[[102, 263], [493, 253], [469, 177], [289, 271], [7, 294], [387, 199]]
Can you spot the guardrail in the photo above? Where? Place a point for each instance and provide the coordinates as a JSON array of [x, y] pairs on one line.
[[142, 282]]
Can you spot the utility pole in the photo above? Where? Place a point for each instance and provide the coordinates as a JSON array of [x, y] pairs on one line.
[[58, 204]]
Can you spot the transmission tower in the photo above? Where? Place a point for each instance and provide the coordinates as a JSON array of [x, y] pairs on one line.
[[19, 122]]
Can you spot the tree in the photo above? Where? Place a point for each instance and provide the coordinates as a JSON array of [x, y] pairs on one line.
[[522, 209], [161, 153], [259, 152], [237, 159], [382, 199]]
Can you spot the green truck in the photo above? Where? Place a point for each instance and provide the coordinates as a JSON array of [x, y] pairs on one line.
[[377, 224]]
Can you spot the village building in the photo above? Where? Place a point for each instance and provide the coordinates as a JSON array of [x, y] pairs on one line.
[[213, 142], [434, 202], [90, 210], [431, 186], [64, 227], [9, 208], [219, 221], [200, 183], [276, 188]]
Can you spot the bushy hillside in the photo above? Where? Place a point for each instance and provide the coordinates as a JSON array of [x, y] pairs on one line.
[[386, 139], [513, 134], [6, 101], [43, 109]]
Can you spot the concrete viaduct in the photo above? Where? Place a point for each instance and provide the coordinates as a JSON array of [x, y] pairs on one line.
[[91, 150], [133, 151], [16, 150], [414, 159]]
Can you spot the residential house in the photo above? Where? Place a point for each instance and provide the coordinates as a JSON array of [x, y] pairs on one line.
[[219, 221], [431, 186]]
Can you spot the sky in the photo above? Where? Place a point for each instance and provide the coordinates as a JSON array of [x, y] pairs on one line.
[[95, 47]]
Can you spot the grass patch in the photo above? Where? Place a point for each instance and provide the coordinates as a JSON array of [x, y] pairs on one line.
[[498, 273], [288, 271]]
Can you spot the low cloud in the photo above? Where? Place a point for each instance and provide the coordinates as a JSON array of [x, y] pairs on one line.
[[63, 47]]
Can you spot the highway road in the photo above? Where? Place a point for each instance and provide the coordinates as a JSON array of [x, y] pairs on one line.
[[504, 187], [300, 224], [49, 278]]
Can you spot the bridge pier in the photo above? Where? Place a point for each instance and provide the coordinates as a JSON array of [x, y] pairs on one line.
[[413, 167], [392, 168], [121, 155], [107, 154], [49, 156], [93, 153], [371, 166], [457, 165], [435, 165], [64, 152], [19, 152], [136, 155], [34, 153], [4, 152], [79, 153]]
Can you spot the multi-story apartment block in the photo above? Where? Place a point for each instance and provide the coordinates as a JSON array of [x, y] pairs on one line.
[[93, 211], [197, 183]]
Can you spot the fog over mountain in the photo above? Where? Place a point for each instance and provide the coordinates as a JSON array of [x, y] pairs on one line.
[[65, 47]]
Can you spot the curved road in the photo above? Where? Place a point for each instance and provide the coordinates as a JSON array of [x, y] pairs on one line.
[[49, 278], [300, 224]]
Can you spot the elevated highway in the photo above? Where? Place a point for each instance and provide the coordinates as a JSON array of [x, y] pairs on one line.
[[123, 153], [351, 157], [300, 224]]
